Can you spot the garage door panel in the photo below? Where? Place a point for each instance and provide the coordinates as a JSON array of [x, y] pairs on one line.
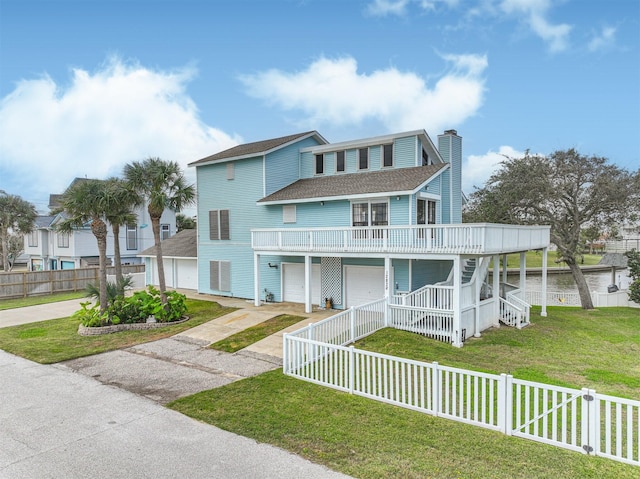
[[293, 283], [363, 284]]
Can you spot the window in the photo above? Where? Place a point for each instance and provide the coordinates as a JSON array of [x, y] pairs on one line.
[[132, 237], [339, 161], [425, 158], [220, 275], [387, 155], [426, 212], [231, 173], [319, 164], [363, 158], [165, 231], [370, 214], [63, 240], [219, 224], [289, 213], [33, 238]]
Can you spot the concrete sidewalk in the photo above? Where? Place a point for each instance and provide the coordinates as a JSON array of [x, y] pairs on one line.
[[59, 424]]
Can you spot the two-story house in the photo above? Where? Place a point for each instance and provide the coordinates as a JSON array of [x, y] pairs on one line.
[[299, 219], [48, 249]]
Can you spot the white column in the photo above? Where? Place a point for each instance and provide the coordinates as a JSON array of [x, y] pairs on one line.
[[543, 312], [308, 308], [504, 268], [256, 279], [477, 300], [457, 306], [496, 290], [523, 274]]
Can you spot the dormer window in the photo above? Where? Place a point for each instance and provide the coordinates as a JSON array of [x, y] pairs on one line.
[[425, 158], [319, 164], [363, 158], [340, 161], [387, 155]]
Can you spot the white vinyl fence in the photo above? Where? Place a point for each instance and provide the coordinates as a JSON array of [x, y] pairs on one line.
[[570, 298], [580, 420]]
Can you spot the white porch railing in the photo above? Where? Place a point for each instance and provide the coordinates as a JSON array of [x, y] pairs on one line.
[[429, 296], [454, 239], [580, 420]]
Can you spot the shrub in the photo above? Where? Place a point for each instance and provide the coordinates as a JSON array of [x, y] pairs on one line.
[[135, 309]]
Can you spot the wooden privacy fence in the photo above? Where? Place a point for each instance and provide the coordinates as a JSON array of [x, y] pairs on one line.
[[580, 420], [21, 284]]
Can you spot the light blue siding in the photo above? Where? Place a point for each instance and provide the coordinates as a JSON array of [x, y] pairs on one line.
[[399, 210], [401, 275], [429, 272], [404, 152], [282, 165], [375, 157]]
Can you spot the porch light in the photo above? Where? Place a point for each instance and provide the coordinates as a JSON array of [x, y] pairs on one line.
[[273, 265], [322, 203]]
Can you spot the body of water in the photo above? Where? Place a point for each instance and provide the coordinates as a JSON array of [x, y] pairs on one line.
[[563, 282]]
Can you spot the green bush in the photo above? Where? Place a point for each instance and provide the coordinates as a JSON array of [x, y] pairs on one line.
[[135, 309]]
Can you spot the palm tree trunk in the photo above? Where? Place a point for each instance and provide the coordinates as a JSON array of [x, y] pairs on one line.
[[99, 230], [581, 283], [116, 252], [162, 286]]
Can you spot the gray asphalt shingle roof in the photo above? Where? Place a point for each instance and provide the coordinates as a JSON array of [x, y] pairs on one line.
[[181, 245], [382, 181], [44, 221], [255, 148]]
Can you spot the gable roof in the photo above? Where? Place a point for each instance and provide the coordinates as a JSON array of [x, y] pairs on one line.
[[44, 221], [256, 148], [183, 244], [373, 183]]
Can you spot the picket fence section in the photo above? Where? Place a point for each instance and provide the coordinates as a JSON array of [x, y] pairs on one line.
[[580, 420]]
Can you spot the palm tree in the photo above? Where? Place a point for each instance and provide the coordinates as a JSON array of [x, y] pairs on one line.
[[17, 216], [162, 185], [86, 201], [122, 202]]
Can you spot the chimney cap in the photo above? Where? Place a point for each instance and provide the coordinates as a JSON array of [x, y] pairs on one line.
[[450, 132]]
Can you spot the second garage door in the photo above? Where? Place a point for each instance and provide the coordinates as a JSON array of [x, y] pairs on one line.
[[363, 284], [293, 283]]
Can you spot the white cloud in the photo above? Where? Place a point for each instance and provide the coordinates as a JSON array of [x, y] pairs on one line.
[[382, 8], [535, 12], [478, 168], [50, 134], [603, 40], [334, 92]]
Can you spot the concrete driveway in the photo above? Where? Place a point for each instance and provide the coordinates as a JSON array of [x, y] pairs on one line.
[[59, 424]]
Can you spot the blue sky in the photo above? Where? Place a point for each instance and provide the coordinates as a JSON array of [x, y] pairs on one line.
[[87, 86]]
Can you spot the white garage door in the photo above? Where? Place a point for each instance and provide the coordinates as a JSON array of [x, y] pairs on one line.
[[363, 284], [293, 283], [187, 272]]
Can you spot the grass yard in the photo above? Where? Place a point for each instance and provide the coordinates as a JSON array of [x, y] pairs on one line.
[[44, 299], [251, 335], [368, 439], [57, 340], [571, 347], [534, 260]]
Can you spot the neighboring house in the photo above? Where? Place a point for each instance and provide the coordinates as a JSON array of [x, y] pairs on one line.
[[48, 249], [299, 219], [180, 261]]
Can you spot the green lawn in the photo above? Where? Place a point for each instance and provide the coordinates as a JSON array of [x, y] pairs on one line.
[[571, 347], [57, 340], [368, 439], [251, 335], [44, 299]]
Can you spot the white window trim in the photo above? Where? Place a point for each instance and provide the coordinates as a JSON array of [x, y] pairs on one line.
[[369, 201]]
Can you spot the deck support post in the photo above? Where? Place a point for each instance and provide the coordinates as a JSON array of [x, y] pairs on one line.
[[504, 268], [543, 300], [476, 299], [457, 303], [308, 307], [523, 275], [496, 290], [256, 279]]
